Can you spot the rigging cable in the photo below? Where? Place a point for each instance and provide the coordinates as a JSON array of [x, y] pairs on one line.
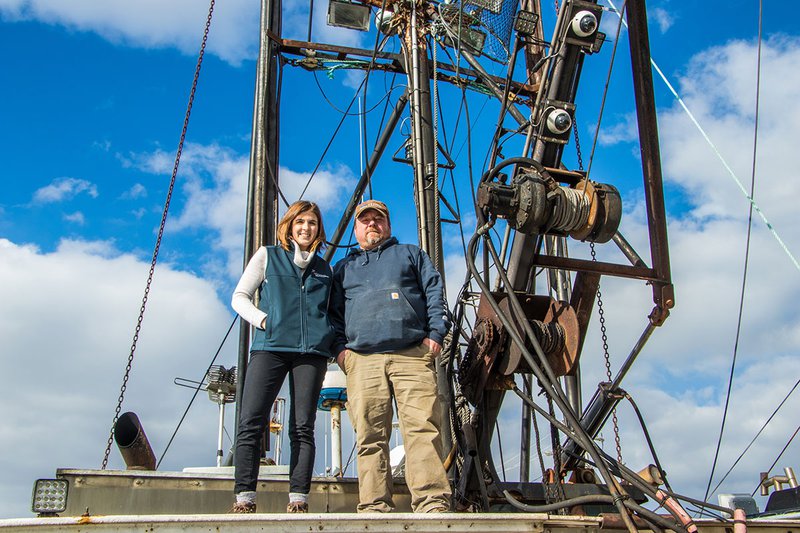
[[196, 390], [605, 91], [160, 234], [330, 141], [730, 171], [746, 257], [779, 456], [363, 85], [375, 48], [545, 373], [269, 165], [763, 427]]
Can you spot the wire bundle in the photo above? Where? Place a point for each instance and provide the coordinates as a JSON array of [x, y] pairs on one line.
[[570, 209]]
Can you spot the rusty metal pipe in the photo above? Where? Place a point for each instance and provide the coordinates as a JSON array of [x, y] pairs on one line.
[[133, 444]]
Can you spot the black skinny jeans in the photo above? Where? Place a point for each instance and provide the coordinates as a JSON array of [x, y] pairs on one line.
[[265, 374]]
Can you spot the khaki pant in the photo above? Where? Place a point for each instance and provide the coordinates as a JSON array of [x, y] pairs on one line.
[[371, 381]]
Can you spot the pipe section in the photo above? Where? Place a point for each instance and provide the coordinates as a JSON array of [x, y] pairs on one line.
[[132, 442]]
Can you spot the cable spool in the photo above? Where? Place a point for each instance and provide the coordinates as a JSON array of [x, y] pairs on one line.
[[571, 209], [535, 204], [550, 335], [555, 326], [604, 213]]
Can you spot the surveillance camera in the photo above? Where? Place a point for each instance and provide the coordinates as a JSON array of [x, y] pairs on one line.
[[584, 23], [559, 121]]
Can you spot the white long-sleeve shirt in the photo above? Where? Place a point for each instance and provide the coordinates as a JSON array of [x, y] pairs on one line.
[[251, 280]]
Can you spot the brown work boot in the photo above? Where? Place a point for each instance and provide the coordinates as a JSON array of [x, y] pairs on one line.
[[243, 507], [297, 507]]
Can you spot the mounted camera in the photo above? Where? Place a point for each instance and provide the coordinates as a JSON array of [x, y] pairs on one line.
[[583, 25], [556, 121]]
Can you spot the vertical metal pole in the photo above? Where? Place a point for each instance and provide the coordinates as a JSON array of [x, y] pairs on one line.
[[262, 197], [525, 432], [426, 188], [221, 431], [336, 440]]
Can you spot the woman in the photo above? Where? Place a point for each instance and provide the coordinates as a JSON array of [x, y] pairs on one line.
[[293, 336]]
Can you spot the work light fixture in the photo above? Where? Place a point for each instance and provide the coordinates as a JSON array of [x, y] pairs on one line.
[[348, 15], [49, 496]]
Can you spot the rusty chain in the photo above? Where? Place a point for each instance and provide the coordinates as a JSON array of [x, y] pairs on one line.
[[125, 378], [607, 357]]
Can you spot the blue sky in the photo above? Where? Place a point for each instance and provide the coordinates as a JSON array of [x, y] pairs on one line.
[[91, 107]]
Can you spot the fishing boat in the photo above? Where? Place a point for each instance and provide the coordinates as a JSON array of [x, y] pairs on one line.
[[540, 232]]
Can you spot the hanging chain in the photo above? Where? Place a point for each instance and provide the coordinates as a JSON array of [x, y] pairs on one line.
[[555, 443], [577, 142], [158, 239], [537, 437], [604, 335]]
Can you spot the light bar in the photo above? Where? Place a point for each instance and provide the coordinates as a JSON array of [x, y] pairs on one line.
[[346, 14], [50, 496]]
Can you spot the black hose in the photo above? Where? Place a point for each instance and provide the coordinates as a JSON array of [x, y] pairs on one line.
[[647, 515], [548, 381]]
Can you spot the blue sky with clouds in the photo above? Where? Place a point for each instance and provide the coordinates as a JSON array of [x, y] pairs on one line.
[[91, 107]]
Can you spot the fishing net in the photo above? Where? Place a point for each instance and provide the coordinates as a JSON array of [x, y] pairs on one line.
[[482, 26]]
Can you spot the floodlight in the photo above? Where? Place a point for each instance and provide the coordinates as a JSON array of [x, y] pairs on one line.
[[49, 496], [348, 15], [525, 22], [221, 387], [221, 384], [467, 37]]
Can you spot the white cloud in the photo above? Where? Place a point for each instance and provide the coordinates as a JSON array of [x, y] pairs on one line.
[[76, 218], [662, 17], [152, 24], [80, 304], [215, 185], [624, 130], [62, 189], [177, 24], [136, 191]]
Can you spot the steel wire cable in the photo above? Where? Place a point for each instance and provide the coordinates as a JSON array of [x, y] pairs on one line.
[[746, 258], [605, 91], [570, 209], [196, 391], [364, 83], [779, 456], [763, 427]]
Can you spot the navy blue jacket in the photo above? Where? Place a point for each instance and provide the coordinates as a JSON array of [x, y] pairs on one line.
[[387, 299], [296, 303]]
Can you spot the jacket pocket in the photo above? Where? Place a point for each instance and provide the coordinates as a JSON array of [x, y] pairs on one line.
[[375, 318]]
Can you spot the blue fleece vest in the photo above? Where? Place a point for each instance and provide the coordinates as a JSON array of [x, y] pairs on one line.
[[296, 304]]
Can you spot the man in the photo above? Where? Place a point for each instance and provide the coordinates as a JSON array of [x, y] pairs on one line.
[[390, 318]]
